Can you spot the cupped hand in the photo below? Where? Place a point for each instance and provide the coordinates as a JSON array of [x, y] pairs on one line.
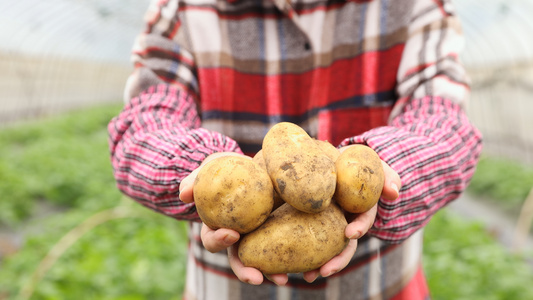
[[358, 225], [213, 240], [223, 238]]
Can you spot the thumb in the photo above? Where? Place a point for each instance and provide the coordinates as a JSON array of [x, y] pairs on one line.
[[393, 183], [186, 187]]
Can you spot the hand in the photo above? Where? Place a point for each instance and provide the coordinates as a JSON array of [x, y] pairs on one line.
[[213, 240], [358, 225], [220, 239]]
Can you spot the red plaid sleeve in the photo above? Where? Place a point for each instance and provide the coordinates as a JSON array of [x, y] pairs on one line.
[[155, 142]]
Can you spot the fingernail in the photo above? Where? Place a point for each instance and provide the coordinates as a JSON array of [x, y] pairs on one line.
[[271, 280], [356, 235], [230, 239], [316, 276], [330, 273], [252, 283], [395, 188]]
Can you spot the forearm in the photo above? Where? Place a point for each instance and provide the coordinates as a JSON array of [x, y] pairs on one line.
[[155, 142]]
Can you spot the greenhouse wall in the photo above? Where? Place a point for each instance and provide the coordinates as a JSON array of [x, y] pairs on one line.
[[33, 86]]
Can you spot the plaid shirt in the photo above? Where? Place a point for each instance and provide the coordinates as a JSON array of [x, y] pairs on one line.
[[215, 75]]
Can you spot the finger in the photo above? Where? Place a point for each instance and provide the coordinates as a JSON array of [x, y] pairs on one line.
[[361, 224], [217, 240], [392, 183], [245, 274], [186, 187], [311, 276], [278, 279], [340, 261]]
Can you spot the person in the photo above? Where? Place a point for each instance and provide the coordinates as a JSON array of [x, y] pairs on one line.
[[212, 76]]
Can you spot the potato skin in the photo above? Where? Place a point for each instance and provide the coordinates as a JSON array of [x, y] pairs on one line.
[[302, 174], [260, 160], [233, 192], [360, 179], [330, 150], [291, 241]]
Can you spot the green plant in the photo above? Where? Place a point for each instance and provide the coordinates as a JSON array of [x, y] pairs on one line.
[[462, 261], [503, 181], [62, 160], [139, 255]]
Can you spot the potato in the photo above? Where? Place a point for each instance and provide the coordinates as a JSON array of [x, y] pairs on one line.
[[260, 160], [302, 174], [291, 241], [233, 192], [330, 150], [360, 179]]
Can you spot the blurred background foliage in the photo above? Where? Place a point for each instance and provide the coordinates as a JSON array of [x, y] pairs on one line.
[[60, 168], [68, 73], [503, 181]]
